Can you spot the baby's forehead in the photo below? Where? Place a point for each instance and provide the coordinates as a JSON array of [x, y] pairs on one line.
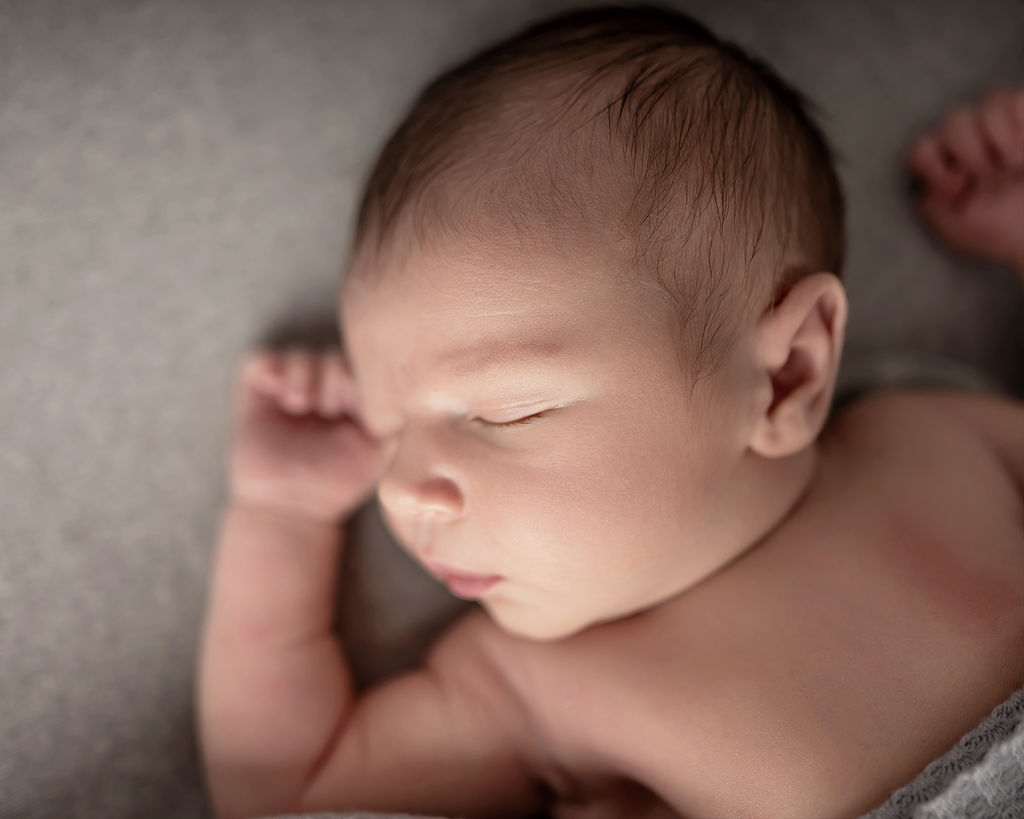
[[473, 267], [492, 295]]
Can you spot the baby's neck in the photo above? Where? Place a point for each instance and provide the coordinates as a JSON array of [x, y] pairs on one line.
[[788, 483], [768, 493]]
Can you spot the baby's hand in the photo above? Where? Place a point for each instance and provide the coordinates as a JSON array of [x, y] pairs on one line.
[[971, 169], [299, 448]]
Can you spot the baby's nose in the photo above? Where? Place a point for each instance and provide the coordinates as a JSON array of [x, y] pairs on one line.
[[434, 498]]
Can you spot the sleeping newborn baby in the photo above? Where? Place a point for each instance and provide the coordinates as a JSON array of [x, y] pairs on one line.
[[592, 319]]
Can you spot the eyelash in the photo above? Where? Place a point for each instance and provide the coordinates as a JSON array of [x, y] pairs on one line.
[[519, 422]]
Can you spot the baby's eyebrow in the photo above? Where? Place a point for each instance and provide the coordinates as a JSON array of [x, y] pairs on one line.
[[489, 354]]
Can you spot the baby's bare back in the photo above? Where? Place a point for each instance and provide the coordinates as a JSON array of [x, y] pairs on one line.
[[828, 665]]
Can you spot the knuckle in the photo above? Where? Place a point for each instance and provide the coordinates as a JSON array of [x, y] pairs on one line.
[[959, 113], [996, 96], [249, 366], [921, 144], [255, 364], [331, 358], [298, 373], [325, 364], [997, 116], [959, 119], [922, 151]]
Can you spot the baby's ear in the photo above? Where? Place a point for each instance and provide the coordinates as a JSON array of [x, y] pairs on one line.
[[798, 343]]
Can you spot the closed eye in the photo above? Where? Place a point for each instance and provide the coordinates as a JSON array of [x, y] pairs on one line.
[[527, 419]]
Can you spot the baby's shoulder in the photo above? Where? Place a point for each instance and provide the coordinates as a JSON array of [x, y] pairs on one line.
[[996, 421], [920, 479], [916, 441]]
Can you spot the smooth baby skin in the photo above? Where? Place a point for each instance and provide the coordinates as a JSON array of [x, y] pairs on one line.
[[815, 675], [716, 600], [881, 622], [827, 666], [809, 674]]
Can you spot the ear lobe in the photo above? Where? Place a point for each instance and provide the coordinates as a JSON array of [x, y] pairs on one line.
[[799, 343]]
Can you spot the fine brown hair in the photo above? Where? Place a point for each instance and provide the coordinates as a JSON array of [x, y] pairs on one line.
[[634, 125]]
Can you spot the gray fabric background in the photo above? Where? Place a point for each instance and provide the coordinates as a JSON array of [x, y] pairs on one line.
[[177, 180]]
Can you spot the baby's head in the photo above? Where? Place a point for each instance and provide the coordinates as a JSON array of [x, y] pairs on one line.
[[623, 235]]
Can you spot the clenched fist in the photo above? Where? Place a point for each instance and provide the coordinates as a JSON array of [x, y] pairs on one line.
[[299, 447], [971, 170]]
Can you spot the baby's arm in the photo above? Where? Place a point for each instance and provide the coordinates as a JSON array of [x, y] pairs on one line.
[[273, 686], [280, 727], [450, 739]]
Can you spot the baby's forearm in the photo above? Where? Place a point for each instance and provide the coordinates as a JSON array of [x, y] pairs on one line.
[[273, 683]]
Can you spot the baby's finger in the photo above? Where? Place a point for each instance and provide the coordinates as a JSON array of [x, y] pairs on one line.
[[1018, 107], [1017, 110], [1001, 130], [260, 370], [961, 136], [299, 380], [337, 391], [928, 163]]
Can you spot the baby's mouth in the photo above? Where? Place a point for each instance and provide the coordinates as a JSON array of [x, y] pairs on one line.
[[468, 585]]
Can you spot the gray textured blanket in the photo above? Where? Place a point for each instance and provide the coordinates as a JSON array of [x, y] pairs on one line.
[[981, 777]]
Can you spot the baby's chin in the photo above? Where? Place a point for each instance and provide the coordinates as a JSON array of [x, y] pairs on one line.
[[532, 623]]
